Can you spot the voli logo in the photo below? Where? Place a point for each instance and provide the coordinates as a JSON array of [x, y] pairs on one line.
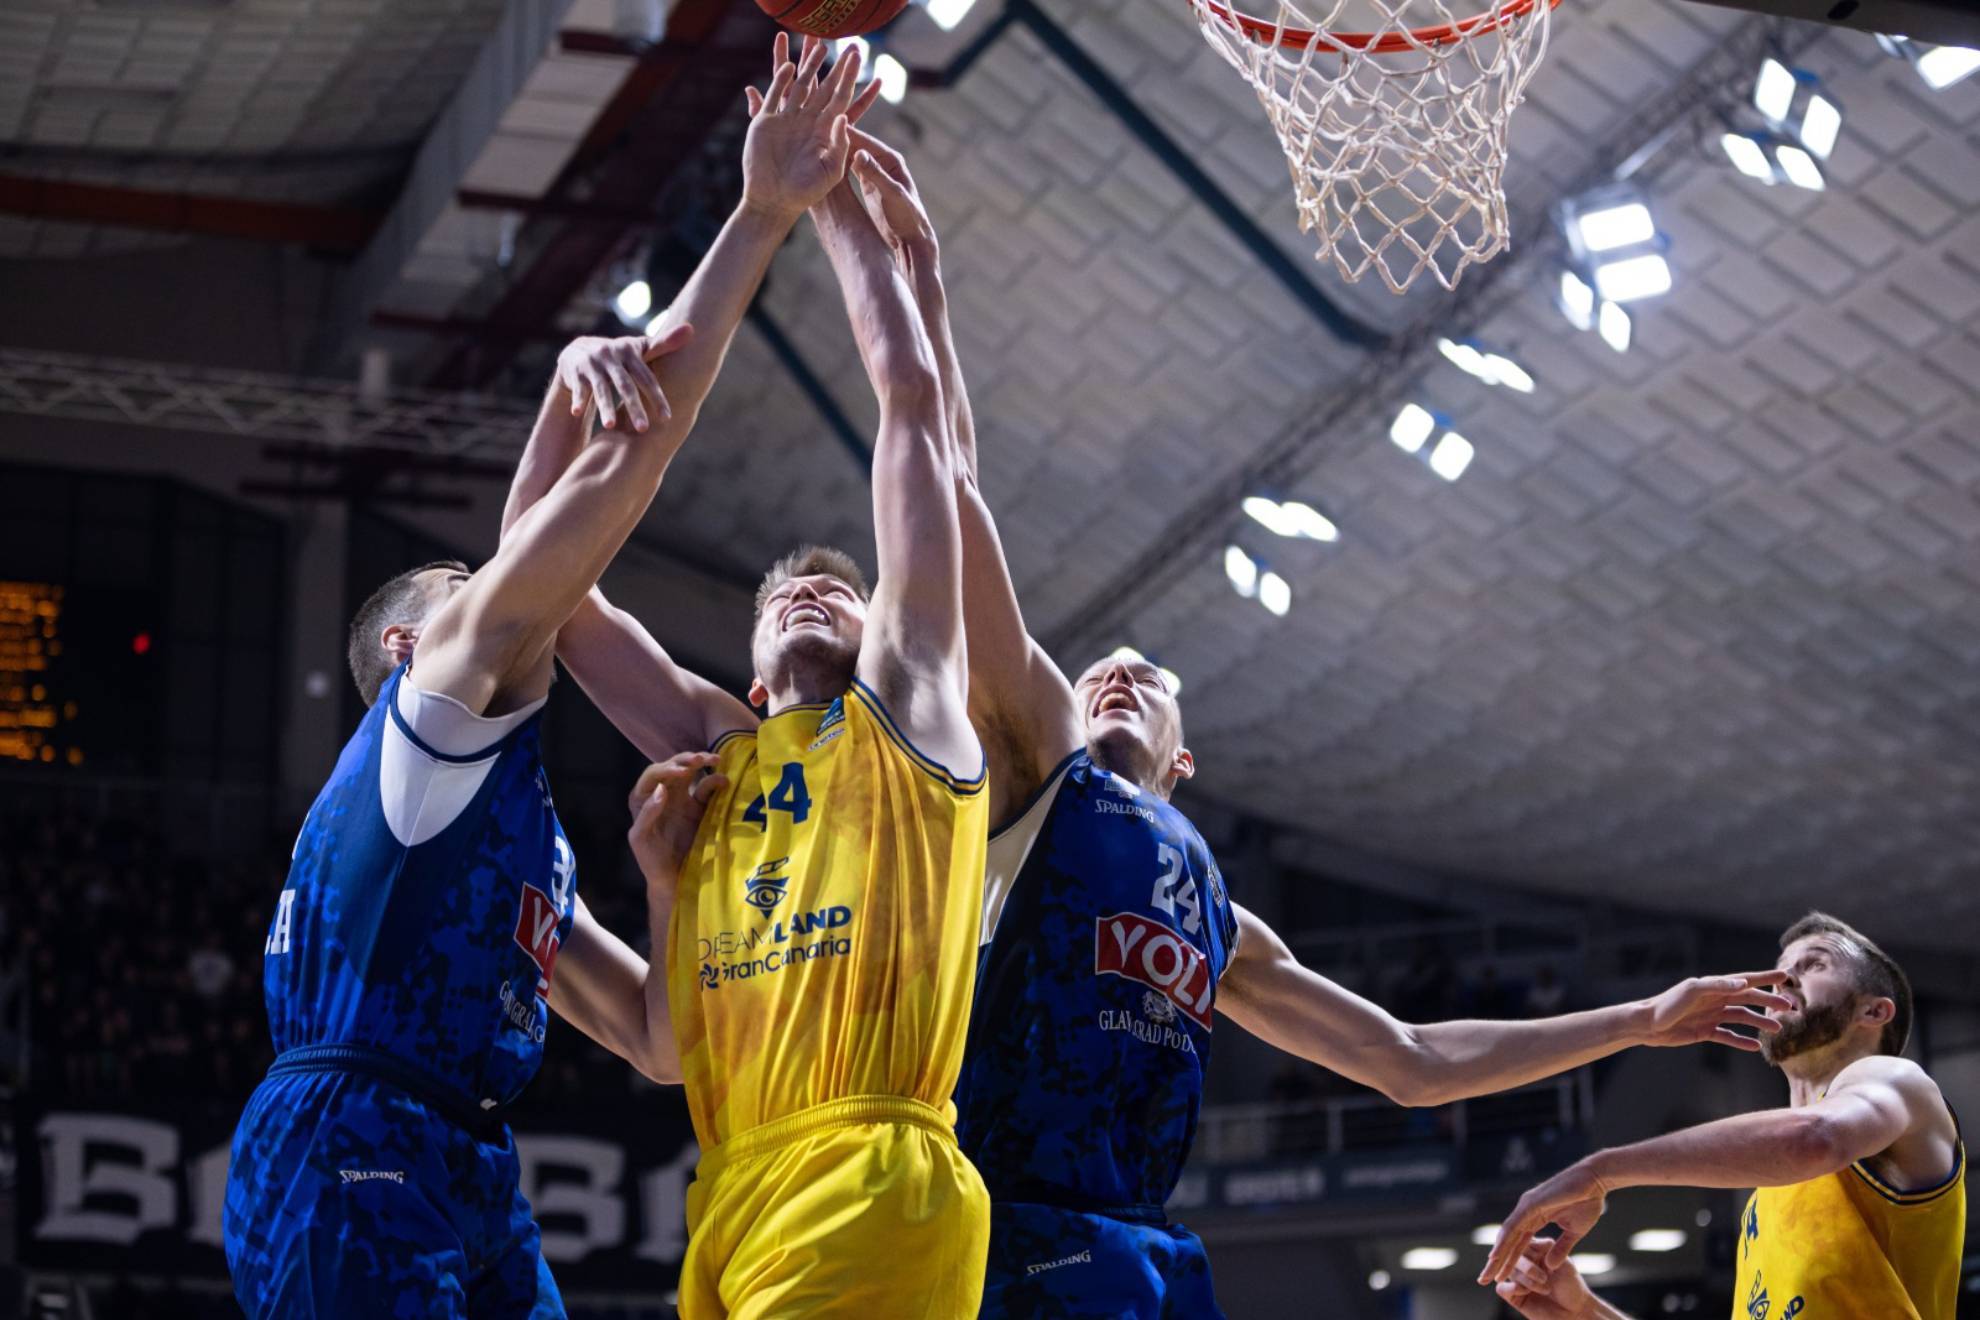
[[536, 931], [1144, 950]]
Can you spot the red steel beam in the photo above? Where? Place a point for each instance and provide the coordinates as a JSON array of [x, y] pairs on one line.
[[343, 228], [666, 107]]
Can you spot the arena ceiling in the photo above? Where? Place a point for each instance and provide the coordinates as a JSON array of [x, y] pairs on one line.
[[1699, 627]]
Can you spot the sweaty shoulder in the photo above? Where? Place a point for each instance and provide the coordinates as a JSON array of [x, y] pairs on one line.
[[1912, 1083], [1930, 1143]]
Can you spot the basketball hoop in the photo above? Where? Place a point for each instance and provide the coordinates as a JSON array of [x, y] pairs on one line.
[[1396, 136]]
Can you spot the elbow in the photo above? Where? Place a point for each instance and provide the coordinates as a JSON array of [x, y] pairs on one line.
[[660, 1067], [1813, 1144], [1411, 1089], [1410, 1077]]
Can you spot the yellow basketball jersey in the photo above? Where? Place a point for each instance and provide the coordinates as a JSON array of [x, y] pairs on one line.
[[1851, 1245], [824, 933]]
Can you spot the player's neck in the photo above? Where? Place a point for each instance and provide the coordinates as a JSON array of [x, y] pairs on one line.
[[807, 685], [1127, 760], [1810, 1075]]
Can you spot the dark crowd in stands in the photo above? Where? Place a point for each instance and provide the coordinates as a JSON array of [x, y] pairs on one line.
[[137, 972]]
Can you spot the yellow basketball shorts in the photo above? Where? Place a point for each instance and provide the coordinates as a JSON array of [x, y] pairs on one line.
[[862, 1207]]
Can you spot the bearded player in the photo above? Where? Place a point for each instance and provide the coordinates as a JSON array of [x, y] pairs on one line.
[[1860, 1207], [1109, 939], [430, 920], [823, 928]]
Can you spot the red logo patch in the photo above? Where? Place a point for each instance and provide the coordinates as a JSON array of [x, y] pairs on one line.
[[1145, 950], [536, 931]]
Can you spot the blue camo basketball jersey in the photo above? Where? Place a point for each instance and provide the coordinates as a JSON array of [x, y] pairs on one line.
[[1106, 928], [425, 904]]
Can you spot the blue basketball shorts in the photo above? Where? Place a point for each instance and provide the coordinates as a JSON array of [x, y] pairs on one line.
[[1051, 1262], [346, 1196]]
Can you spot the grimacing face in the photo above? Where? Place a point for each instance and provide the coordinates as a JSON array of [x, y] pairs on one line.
[[817, 619], [1129, 699], [1822, 984]]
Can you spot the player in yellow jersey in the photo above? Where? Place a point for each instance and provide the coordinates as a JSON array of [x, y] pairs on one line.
[[821, 947], [1860, 1212]]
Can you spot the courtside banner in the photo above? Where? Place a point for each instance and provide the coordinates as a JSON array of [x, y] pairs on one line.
[[139, 1188]]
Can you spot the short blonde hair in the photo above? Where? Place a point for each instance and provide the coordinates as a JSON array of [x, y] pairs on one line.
[[809, 561]]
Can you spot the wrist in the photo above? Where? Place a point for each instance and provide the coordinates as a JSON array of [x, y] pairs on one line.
[[1639, 1022], [1606, 1169], [769, 215]]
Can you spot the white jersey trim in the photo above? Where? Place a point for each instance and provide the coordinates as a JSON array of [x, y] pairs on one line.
[[420, 792], [1011, 847]]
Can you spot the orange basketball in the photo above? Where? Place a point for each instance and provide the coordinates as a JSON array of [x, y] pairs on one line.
[[832, 19]]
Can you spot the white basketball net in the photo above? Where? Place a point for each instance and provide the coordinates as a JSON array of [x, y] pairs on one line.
[[1398, 159]]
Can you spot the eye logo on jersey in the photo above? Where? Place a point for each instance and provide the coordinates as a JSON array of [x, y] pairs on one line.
[[1142, 949], [764, 888]]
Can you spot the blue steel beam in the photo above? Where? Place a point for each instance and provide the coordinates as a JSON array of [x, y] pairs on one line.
[[1290, 273]]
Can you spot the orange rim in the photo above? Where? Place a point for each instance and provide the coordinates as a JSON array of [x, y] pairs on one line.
[[1440, 34]]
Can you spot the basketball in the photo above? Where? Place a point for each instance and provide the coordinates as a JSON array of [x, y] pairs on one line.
[[833, 19]]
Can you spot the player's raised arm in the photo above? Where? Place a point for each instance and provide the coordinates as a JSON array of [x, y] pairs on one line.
[[792, 152], [1019, 699], [913, 651], [1268, 993]]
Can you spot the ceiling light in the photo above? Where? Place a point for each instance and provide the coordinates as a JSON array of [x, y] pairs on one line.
[[1592, 1262], [948, 13], [1451, 456], [1638, 277], [1800, 167], [1274, 593], [1412, 427], [1616, 227], [1510, 373], [1749, 156], [1464, 357], [1773, 93], [1485, 1235], [892, 76], [1657, 1239], [1577, 300], [1293, 518], [1821, 125], [1242, 570], [1615, 326], [1306, 522], [1429, 1258], [1267, 512], [634, 301], [1943, 66], [1378, 1279]]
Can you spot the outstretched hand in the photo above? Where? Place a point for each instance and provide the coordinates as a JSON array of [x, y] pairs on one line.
[[887, 190], [1709, 1007], [1573, 1199], [1542, 1292], [667, 804], [800, 128]]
